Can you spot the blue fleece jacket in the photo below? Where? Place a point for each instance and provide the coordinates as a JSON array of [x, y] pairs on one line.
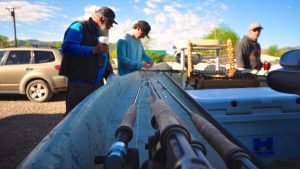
[[131, 55]]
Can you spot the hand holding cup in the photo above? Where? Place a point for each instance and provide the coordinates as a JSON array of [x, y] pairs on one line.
[[102, 46]]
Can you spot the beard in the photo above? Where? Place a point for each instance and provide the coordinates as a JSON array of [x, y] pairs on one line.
[[102, 30]]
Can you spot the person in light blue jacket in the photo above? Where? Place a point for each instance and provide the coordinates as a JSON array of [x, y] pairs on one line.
[[130, 52]]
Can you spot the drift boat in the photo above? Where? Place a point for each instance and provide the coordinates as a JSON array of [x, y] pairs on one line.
[[259, 124]]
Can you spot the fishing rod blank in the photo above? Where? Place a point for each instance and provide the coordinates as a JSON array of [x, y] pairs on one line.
[[234, 156], [118, 153], [258, 162]]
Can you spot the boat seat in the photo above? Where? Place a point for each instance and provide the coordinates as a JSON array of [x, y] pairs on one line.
[[287, 79]]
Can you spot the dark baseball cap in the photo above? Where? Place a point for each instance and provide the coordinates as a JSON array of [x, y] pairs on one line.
[[107, 13], [145, 27]]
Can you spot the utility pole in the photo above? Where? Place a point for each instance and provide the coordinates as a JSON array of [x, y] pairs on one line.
[[12, 12]]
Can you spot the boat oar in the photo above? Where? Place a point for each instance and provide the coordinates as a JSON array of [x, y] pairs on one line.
[[234, 156], [119, 155]]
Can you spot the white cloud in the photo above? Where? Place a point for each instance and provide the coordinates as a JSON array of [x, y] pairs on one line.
[[27, 12], [161, 18], [177, 5], [88, 11], [168, 8], [174, 21], [148, 11], [212, 4], [119, 31], [156, 1], [199, 8], [151, 5]]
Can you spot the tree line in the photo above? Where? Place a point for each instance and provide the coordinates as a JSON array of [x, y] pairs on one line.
[[221, 33], [4, 43]]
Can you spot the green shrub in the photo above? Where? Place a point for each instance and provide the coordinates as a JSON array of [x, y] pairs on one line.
[[156, 58], [169, 58]]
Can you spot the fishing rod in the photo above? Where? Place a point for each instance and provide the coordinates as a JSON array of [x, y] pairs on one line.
[[205, 113], [234, 156], [119, 156], [165, 70], [173, 144]]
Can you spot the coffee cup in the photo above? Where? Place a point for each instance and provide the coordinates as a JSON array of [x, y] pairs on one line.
[[103, 39]]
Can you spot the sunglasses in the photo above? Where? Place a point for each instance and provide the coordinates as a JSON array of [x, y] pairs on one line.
[[256, 29], [109, 21]]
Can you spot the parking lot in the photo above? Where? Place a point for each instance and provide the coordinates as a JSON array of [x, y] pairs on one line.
[[23, 124]]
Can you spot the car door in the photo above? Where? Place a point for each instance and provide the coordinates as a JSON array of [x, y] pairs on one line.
[[14, 67]]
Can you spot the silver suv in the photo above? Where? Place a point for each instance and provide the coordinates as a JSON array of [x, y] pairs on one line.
[[31, 71]]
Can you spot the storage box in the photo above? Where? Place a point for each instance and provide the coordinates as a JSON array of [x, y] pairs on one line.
[[266, 121]]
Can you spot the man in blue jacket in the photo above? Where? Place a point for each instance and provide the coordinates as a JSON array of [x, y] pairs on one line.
[[130, 51], [85, 60]]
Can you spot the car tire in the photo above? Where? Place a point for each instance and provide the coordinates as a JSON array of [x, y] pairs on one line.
[[38, 91]]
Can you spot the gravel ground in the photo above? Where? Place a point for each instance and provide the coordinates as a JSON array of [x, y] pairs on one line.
[[23, 124]]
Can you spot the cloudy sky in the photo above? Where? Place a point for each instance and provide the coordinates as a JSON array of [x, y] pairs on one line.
[[170, 19]]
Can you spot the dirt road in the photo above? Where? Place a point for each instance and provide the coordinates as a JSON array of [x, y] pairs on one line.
[[23, 124]]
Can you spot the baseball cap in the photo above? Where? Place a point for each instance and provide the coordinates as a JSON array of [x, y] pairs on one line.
[[255, 25], [107, 13], [145, 27]]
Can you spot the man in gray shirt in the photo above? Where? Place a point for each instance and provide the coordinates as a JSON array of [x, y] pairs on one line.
[[248, 50]]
